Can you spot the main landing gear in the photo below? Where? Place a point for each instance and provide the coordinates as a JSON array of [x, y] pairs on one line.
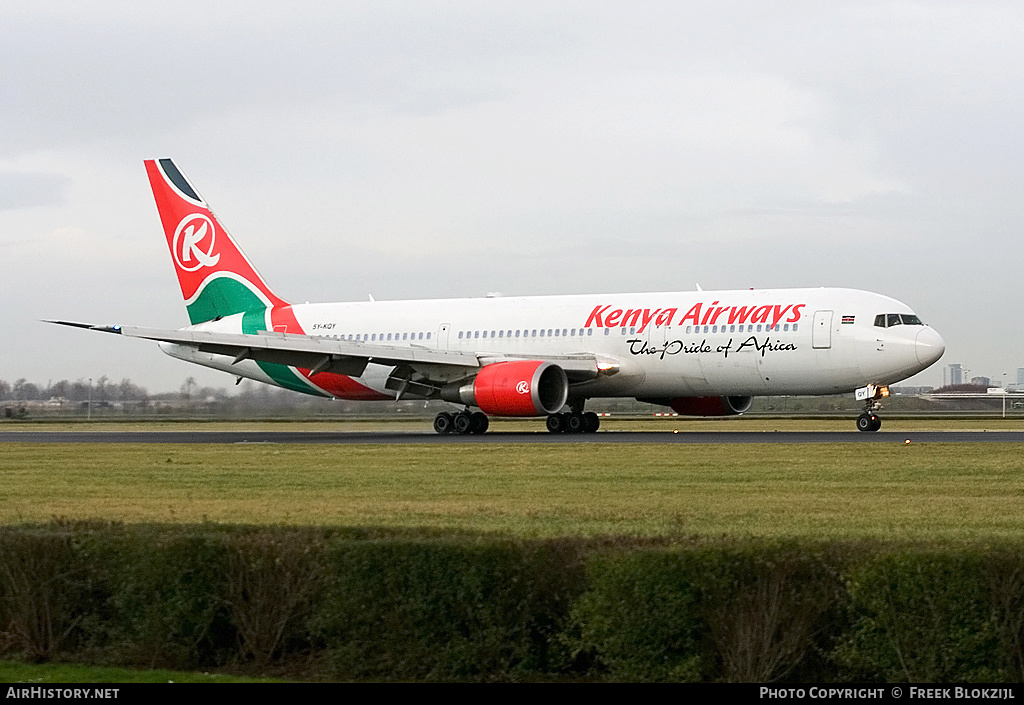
[[466, 422], [571, 422], [462, 423], [575, 421]]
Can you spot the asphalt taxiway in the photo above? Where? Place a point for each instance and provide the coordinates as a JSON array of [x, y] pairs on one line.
[[392, 437]]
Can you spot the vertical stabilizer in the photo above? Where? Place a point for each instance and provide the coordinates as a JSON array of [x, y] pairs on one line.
[[216, 277]]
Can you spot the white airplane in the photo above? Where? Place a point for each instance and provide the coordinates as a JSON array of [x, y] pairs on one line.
[[703, 353]]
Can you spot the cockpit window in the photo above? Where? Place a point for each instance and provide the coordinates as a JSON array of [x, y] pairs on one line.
[[888, 320]]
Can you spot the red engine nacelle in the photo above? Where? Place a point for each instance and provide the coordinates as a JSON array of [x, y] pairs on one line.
[[520, 388], [710, 406]]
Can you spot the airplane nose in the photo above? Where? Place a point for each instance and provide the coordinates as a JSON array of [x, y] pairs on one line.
[[929, 346]]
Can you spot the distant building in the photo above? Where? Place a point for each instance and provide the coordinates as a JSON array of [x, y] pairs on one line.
[[981, 381], [1020, 376], [956, 374]]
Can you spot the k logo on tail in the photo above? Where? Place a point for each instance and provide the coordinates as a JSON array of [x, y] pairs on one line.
[[189, 254]]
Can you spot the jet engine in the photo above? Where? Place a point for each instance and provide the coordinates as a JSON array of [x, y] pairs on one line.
[[706, 406], [518, 388]]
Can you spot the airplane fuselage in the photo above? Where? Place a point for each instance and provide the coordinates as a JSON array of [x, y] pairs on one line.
[[663, 345]]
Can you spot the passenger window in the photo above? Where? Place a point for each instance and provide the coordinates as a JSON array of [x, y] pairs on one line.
[[541, 332], [556, 332], [549, 332], [795, 326], [428, 335], [607, 331]]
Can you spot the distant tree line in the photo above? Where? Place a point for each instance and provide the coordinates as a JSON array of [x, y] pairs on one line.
[[100, 390], [22, 399]]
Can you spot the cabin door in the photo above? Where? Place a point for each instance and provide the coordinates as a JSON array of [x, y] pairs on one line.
[[821, 334]]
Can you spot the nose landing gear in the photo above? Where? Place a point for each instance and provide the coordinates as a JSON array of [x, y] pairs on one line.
[[868, 421]]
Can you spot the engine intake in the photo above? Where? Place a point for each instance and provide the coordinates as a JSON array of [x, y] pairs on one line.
[[520, 388]]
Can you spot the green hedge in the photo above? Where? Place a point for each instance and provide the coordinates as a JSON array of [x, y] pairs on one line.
[[395, 609], [374, 605]]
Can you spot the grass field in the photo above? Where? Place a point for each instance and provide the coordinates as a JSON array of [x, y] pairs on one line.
[[35, 673], [921, 491]]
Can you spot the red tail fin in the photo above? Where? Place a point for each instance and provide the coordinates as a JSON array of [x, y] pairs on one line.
[[216, 277]]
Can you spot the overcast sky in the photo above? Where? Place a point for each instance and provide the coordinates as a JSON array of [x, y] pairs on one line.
[[435, 149]]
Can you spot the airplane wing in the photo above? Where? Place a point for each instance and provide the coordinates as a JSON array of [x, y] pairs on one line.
[[346, 357]]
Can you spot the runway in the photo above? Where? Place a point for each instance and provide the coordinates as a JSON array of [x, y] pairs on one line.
[[422, 438]]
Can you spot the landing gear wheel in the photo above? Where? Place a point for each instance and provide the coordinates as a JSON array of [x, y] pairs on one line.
[[590, 422], [478, 422], [556, 423], [575, 424], [463, 423], [444, 423], [868, 423]]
